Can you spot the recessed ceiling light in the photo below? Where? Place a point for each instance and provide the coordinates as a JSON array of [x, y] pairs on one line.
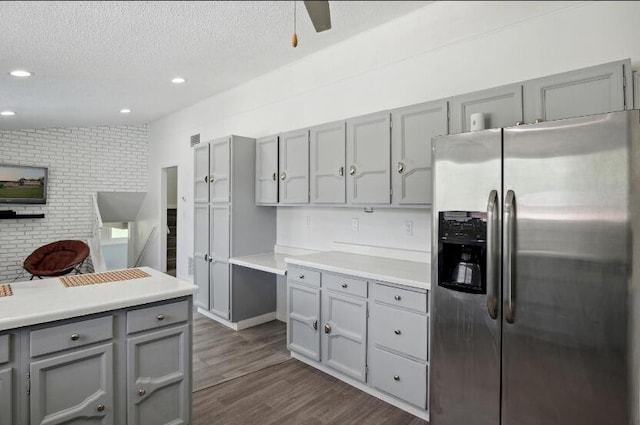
[[178, 80], [125, 111], [21, 73], [7, 113]]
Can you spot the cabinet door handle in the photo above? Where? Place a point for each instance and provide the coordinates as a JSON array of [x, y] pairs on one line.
[[341, 171], [396, 377], [206, 179], [212, 178], [301, 276], [100, 408], [283, 176], [327, 328], [397, 298], [75, 337], [538, 120], [518, 123], [315, 325], [211, 259], [397, 332], [206, 257], [274, 177], [352, 170], [160, 317], [344, 285], [141, 392], [400, 167]]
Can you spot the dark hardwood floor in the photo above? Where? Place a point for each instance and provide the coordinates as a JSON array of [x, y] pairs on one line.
[[247, 377]]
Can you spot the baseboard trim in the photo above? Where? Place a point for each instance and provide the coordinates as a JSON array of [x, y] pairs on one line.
[[242, 324], [422, 414], [281, 317]]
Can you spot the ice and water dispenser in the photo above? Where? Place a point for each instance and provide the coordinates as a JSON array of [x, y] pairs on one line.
[[462, 251]]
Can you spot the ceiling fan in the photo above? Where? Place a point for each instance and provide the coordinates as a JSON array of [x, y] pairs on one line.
[[319, 13]]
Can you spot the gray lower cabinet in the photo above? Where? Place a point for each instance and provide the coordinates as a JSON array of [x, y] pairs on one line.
[[636, 90], [158, 377], [303, 318], [499, 106], [344, 334], [74, 387], [413, 128], [6, 395], [586, 91], [327, 163]]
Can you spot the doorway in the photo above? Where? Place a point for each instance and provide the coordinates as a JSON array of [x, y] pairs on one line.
[[169, 218]]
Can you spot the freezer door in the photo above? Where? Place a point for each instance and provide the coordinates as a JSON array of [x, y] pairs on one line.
[[566, 250], [465, 349]]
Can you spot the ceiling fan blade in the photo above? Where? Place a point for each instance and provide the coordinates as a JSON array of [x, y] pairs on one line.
[[319, 13]]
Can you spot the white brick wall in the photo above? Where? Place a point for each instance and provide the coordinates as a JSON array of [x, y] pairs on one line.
[[81, 161]]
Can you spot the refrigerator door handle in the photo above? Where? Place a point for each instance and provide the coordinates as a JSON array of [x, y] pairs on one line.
[[492, 254], [508, 253]]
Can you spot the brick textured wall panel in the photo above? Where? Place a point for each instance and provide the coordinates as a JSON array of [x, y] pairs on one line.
[[81, 161]]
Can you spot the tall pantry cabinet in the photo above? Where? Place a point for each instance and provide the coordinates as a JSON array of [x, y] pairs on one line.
[[229, 224]]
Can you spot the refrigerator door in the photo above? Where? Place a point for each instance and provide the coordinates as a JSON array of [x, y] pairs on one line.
[[465, 346], [566, 253]]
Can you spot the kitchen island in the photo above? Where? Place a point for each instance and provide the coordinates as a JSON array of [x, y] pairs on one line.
[[117, 352]]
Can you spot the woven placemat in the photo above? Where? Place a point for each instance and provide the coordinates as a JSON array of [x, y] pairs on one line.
[[94, 278], [5, 290]]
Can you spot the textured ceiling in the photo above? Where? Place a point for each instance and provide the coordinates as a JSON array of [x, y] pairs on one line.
[[92, 59]]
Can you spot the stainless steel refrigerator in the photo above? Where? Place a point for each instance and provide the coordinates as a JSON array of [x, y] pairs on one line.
[[535, 274]]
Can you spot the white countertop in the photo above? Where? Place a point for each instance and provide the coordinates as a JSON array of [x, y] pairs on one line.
[[39, 301], [271, 262], [401, 272]]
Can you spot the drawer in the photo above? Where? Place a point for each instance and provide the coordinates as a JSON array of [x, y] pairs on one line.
[[400, 330], [157, 316], [5, 340], [400, 297], [309, 277], [70, 335], [400, 377], [345, 285]]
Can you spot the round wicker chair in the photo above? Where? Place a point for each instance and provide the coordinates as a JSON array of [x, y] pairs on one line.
[[57, 258]]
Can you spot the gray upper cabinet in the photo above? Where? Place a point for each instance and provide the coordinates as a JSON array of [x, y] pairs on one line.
[[201, 255], [158, 377], [219, 171], [636, 90], [413, 128], [201, 173], [327, 163], [294, 167], [267, 170], [368, 159], [587, 91], [303, 335], [344, 334], [501, 107], [75, 387]]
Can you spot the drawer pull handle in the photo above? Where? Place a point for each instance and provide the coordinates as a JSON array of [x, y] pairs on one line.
[[327, 328], [396, 377], [301, 276], [141, 392], [100, 408], [397, 297], [397, 332], [344, 285], [75, 337], [160, 317], [315, 325]]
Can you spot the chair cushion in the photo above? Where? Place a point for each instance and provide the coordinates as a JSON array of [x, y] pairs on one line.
[[56, 258]]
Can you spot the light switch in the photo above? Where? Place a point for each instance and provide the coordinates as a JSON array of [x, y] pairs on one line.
[[355, 224], [408, 228]]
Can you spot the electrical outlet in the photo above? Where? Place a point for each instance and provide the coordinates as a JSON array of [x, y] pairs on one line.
[[408, 228], [355, 224], [308, 221], [190, 266]]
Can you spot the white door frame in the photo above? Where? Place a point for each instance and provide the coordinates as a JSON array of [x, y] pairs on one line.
[[162, 225]]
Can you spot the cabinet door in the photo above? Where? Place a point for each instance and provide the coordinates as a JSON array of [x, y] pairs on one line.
[[327, 162], [368, 159], [588, 91], [219, 170], [303, 315], [201, 173], [636, 90], [219, 232], [413, 128], [294, 167], [344, 334], [501, 106], [158, 382], [75, 387], [201, 255], [6, 396], [267, 170], [220, 288]]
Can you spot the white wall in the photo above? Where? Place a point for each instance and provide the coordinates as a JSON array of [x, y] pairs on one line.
[[81, 161], [443, 49]]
